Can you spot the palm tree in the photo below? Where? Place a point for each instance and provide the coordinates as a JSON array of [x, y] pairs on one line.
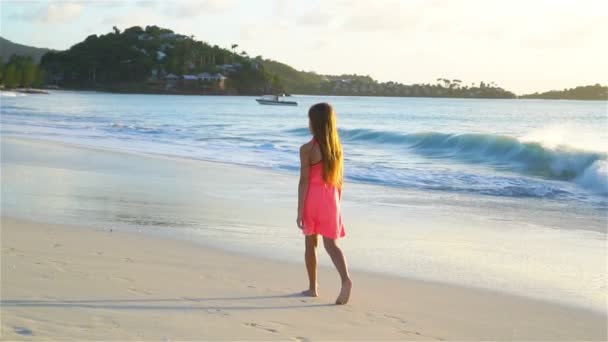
[[233, 47], [447, 83]]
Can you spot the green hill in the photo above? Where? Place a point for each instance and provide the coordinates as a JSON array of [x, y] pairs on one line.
[[294, 81], [590, 92], [141, 60], [8, 48], [155, 59]]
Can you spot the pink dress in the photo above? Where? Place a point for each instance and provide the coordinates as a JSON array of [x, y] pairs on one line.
[[322, 206]]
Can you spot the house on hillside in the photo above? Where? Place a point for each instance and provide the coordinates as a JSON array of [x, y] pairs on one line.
[[220, 79], [172, 36], [144, 36], [216, 79], [171, 81], [153, 75], [228, 68], [190, 80], [204, 76]]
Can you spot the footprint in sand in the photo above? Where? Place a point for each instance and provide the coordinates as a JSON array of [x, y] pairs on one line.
[[126, 280], [217, 312], [57, 265], [302, 339], [11, 251], [23, 331], [261, 327], [138, 291], [281, 323], [396, 318], [406, 331]]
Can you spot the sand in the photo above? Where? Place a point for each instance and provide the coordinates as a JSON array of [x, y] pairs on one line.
[[64, 282]]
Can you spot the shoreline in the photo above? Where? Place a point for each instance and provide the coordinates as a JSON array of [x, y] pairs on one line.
[[194, 93], [225, 169], [323, 267], [120, 285]]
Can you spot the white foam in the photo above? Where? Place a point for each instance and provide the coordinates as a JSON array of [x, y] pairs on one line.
[[595, 177], [10, 94], [571, 135]]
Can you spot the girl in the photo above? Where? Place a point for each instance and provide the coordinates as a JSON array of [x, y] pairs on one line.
[[319, 195]]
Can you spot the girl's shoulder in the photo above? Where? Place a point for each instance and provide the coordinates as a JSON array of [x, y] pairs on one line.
[[305, 148]]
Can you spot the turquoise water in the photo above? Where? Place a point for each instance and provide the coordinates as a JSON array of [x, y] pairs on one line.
[[552, 150]]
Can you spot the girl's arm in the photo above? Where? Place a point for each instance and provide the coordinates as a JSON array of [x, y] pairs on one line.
[[303, 184]]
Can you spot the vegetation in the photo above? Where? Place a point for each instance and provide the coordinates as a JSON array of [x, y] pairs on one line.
[[20, 71], [301, 82], [365, 85], [8, 48], [155, 59], [140, 59], [590, 92], [298, 82]]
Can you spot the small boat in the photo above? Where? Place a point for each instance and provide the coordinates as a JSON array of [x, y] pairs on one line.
[[275, 101]]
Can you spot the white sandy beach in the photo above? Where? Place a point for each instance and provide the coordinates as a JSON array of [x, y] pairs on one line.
[[76, 283], [96, 280]]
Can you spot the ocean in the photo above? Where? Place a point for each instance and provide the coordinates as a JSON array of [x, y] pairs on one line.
[[501, 194], [515, 148]]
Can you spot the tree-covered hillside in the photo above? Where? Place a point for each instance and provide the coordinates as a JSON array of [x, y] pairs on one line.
[[142, 59], [155, 59], [298, 82], [590, 92], [158, 59]]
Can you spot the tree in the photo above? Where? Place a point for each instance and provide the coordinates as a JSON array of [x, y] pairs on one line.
[[40, 77], [28, 73], [10, 77]]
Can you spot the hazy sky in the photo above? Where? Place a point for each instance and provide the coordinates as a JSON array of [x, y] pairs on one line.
[[522, 46]]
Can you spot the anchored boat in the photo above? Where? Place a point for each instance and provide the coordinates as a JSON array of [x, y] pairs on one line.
[[275, 100]]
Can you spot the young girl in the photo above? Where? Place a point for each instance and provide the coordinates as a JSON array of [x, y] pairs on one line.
[[319, 195]]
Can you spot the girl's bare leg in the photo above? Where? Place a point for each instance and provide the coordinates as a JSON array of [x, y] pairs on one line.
[[310, 256], [340, 262]]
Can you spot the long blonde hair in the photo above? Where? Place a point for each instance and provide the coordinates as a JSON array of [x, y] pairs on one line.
[[324, 129]]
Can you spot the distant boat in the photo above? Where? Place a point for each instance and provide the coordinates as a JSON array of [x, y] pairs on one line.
[[274, 100]]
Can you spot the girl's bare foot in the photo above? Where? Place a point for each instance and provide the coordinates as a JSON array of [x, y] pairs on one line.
[[344, 292], [310, 293]]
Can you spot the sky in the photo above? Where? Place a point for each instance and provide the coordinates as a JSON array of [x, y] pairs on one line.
[[522, 46]]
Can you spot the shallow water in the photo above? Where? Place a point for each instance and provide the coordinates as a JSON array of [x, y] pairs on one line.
[[536, 248]]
